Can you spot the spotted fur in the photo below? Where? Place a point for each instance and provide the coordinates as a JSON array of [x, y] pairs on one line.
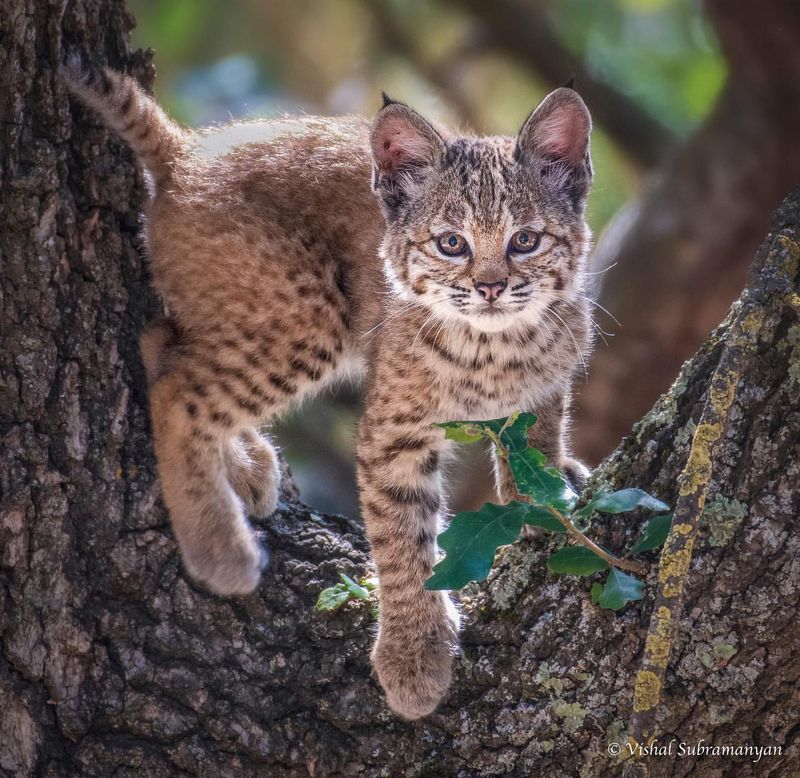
[[295, 252]]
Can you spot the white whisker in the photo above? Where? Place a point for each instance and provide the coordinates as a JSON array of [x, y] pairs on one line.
[[578, 352], [430, 318], [393, 315], [597, 328], [564, 296], [550, 324], [600, 272]]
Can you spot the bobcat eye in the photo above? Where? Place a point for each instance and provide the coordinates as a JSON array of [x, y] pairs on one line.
[[452, 244], [524, 242]]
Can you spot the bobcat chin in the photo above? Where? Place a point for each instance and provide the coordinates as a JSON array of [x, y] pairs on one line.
[[449, 267]]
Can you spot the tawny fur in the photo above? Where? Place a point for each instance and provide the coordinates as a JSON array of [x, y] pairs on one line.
[[280, 270]]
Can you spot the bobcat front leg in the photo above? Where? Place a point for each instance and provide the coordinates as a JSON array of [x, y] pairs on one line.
[[550, 435], [401, 502]]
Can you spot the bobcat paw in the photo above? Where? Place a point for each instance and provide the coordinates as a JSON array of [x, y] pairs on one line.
[[415, 670], [227, 565], [576, 472], [254, 474], [260, 499]]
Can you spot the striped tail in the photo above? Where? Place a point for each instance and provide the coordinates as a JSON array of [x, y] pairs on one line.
[[156, 140]]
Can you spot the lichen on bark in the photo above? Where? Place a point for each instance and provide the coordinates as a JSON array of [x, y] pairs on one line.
[[113, 663]]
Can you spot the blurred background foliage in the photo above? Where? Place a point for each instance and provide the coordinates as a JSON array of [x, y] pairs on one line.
[[254, 58]]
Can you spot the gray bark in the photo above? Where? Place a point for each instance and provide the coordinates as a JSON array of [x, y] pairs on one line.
[[113, 663]]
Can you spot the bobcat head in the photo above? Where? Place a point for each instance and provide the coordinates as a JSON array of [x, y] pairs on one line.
[[488, 230]]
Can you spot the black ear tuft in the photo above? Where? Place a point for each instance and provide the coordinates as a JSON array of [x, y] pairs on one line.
[[570, 83], [386, 100]]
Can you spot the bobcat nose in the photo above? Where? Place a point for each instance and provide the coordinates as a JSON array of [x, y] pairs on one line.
[[490, 290]]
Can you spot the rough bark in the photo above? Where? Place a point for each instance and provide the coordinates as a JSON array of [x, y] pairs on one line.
[[112, 663]]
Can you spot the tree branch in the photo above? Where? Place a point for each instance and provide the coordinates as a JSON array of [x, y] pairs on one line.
[[527, 35], [112, 662], [742, 340], [438, 74]]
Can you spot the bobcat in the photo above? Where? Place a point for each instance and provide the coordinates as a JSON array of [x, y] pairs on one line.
[[289, 253]]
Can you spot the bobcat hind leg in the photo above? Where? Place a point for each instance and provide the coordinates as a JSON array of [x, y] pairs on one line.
[[253, 472]]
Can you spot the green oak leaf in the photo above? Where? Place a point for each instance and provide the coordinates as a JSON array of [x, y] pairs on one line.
[[332, 598], [622, 501], [620, 589], [541, 517], [576, 560], [513, 431], [354, 589], [653, 534], [462, 431], [532, 475], [472, 431], [470, 543], [544, 484], [528, 465]]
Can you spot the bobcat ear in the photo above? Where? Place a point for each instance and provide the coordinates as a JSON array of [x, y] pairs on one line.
[[555, 138], [405, 148]]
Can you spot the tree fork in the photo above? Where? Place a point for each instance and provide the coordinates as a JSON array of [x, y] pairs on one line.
[[113, 663]]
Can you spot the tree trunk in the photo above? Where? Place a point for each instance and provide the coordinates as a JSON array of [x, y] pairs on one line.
[[113, 663]]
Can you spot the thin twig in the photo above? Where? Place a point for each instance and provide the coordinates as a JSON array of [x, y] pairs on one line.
[[523, 31], [614, 561], [586, 542], [440, 74]]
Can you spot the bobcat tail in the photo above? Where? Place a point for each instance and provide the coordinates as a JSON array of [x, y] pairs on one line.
[[155, 139]]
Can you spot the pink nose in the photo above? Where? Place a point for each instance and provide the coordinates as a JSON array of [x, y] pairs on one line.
[[491, 290]]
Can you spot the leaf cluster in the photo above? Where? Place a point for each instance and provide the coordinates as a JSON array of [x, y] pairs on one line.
[[346, 591], [544, 500]]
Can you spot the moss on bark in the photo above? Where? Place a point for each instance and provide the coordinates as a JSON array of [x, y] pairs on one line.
[[113, 663]]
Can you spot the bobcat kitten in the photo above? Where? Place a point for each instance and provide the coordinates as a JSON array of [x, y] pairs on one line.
[[289, 251]]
